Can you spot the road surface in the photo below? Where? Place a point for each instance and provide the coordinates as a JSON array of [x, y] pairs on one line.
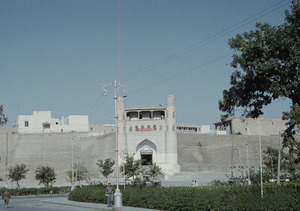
[[39, 203]]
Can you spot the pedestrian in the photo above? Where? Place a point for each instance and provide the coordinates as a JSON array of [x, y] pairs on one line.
[[193, 183], [109, 191], [6, 197], [196, 183]]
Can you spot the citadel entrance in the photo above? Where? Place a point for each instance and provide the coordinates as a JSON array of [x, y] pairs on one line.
[[146, 151], [146, 159]]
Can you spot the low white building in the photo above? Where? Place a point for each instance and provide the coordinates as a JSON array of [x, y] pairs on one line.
[[198, 129], [42, 122], [250, 126]]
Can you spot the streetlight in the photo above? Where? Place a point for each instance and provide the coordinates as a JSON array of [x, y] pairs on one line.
[[279, 157], [118, 194], [260, 156], [72, 178], [247, 151]]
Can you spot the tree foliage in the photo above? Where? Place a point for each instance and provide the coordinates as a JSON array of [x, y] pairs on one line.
[[17, 173], [46, 175], [3, 119], [132, 167], [270, 158], [80, 174], [154, 170], [106, 167], [267, 68]]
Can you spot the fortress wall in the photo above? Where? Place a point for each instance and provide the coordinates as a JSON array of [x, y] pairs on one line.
[[55, 150], [196, 152], [199, 152]]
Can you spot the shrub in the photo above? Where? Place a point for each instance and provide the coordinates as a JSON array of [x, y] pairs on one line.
[[276, 197], [88, 194], [37, 191]]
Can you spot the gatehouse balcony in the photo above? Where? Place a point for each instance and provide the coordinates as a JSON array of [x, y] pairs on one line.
[[145, 114]]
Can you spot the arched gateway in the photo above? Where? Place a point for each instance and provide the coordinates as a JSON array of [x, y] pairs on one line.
[[156, 127], [146, 150]]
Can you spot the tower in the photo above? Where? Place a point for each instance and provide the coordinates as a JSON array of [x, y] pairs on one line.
[[171, 138], [171, 166]]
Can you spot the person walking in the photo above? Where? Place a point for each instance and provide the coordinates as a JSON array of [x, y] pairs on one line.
[[109, 191], [6, 197]]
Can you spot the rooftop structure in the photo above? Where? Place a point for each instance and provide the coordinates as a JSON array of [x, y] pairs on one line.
[[42, 122], [250, 126]]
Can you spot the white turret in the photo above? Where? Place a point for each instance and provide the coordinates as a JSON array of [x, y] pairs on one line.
[[171, 138]]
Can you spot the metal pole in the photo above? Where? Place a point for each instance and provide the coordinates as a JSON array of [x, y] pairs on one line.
[[247, 151], [118, 194], [260, 158], [72, 161], [279, 158], [6, 160], [77, 166], [124, 175], [231, 157]]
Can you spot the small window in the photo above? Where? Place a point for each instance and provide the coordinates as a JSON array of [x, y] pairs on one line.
[[56, 123], [154, 127], [160, 127], [148, 126], [130, 129], [136, 128], [26, 124]]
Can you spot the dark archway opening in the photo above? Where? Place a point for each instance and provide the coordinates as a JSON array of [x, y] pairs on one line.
[[146, 159]]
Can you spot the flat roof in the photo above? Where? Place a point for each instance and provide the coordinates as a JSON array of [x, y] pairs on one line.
[[160, 108]]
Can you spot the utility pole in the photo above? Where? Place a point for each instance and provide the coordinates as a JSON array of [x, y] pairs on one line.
[[260, 156], [231, 157], [6, 160], [118, 194], [72, 178], [279, 157], [247, 151]]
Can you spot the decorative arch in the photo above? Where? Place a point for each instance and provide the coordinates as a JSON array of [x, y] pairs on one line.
[[146, 142]]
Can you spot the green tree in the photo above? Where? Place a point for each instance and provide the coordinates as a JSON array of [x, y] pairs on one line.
[[46, 175], [270, 158], [106, 167], [80, 174], [17, 173], [132, 167], [154, 170], [267, 67], [3, 119]]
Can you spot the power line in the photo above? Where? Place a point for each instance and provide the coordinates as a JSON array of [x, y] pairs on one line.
[[206, 41], [184, 72], [197, 46]]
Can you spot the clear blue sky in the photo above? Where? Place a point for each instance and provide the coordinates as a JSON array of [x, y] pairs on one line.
[[55, 54]]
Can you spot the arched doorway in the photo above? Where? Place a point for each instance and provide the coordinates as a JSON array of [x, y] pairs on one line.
[[146, 150], [146, 157]]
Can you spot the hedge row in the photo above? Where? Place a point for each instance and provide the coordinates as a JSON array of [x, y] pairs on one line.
[[37, 191], [276, 197]]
